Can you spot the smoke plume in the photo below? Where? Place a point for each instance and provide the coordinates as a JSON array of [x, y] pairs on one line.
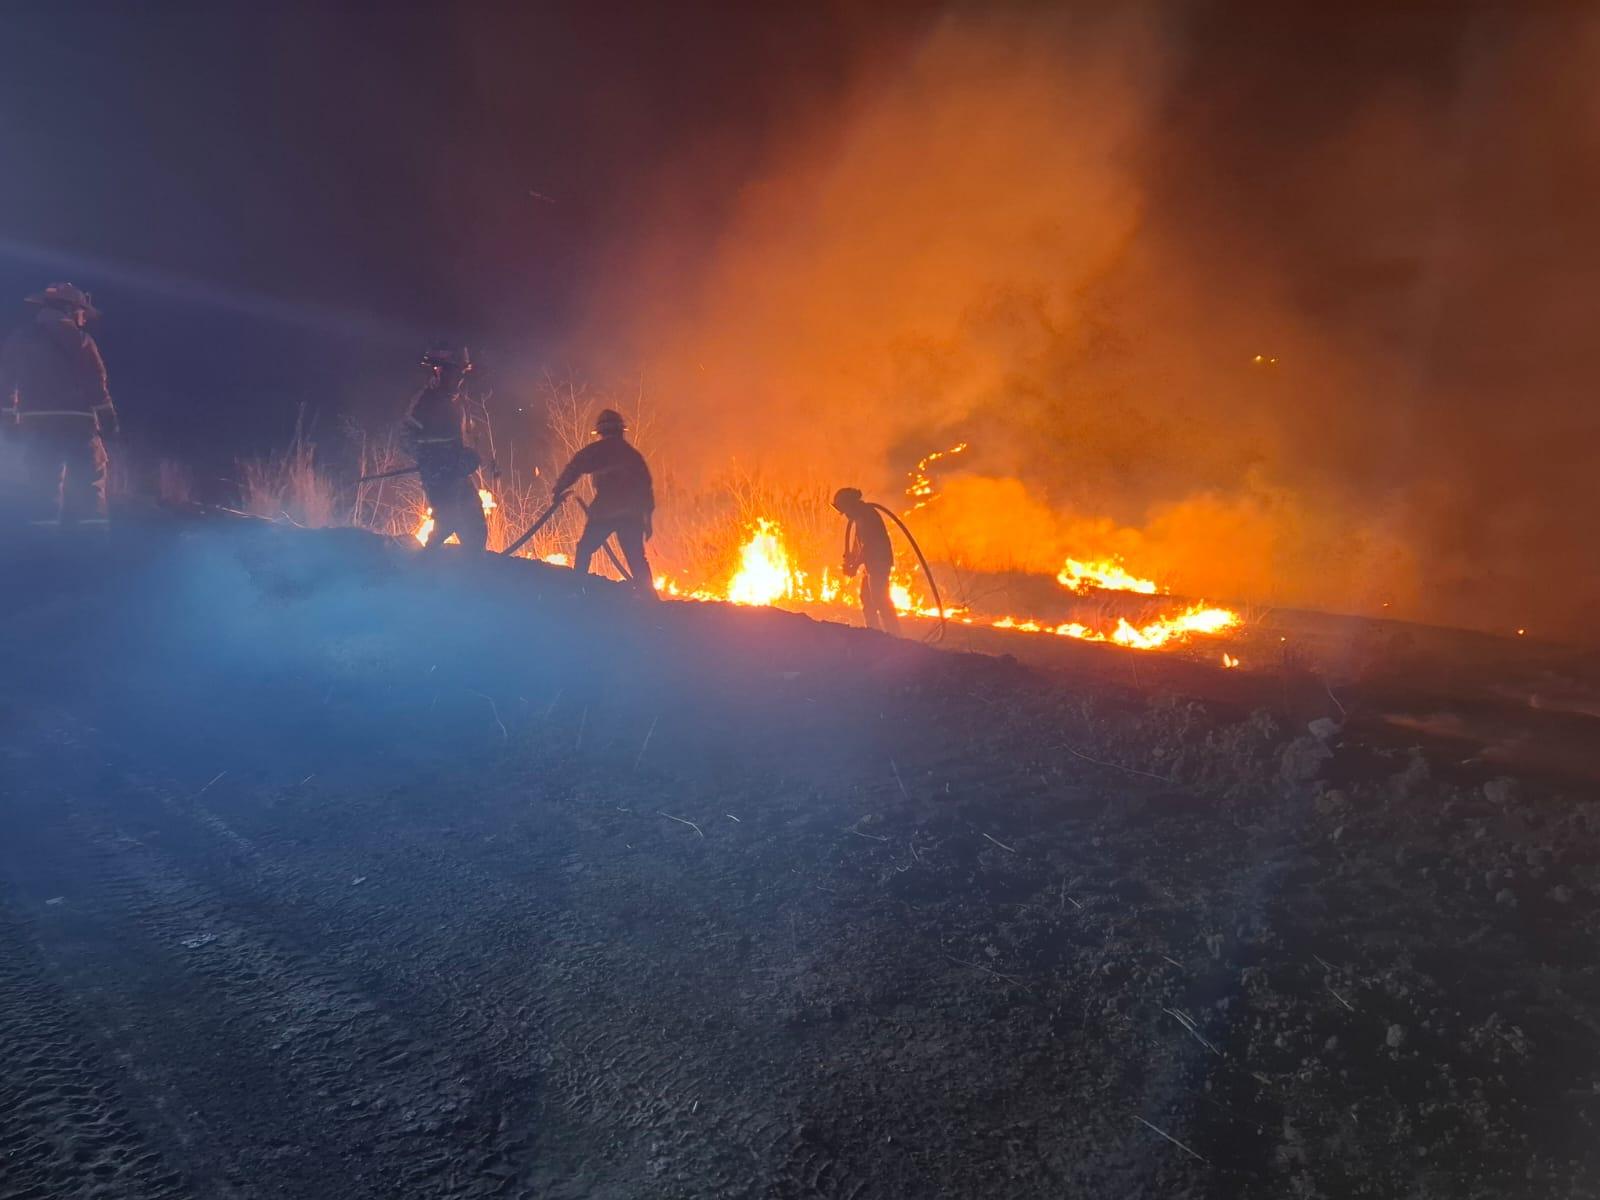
[[1282, 307]]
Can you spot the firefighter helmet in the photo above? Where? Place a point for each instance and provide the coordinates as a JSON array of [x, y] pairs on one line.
[[67, 297], [846, 498], [609, 421], [447, 354]]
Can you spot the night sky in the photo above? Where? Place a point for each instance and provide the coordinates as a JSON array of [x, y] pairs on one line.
[[281, 203]]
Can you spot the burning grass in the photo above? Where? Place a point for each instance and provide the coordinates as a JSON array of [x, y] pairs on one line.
[[740, 539]]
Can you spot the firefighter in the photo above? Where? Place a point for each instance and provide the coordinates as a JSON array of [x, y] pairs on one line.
[[866, 544], [53, 397], [624, 498], [437, 432]]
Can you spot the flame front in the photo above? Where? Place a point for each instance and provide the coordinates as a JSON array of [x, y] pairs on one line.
[[1107, 574], [767, 574]]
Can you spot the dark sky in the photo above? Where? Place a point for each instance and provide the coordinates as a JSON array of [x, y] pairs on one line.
[[280, 202]]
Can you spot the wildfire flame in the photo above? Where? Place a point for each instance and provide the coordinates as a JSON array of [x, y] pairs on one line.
[[766, 574], [1108, 574]]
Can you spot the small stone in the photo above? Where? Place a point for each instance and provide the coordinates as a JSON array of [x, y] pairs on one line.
[[1331, 803], [1331, 1044], [1561, 894], [1396, 1037], [1324, 729], [1502, 792], [1302, 760], [1506, 898]]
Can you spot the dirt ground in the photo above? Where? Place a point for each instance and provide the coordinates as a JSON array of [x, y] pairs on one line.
[[329, 871]]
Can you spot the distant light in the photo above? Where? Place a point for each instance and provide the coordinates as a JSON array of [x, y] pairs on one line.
[[1265, 360], [1521, 632]]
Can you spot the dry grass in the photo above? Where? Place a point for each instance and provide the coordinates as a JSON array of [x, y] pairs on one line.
[[174, 483], [288, 486], [700, 525]]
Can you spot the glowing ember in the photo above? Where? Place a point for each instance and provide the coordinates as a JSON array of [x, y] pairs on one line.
[[1107, 574], [920, 491], [1229, 660], [558, 559], [765, 575]]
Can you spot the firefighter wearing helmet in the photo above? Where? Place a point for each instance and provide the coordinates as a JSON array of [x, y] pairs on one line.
[[866, 544], [54, 399], [624, 497], [438, 432]]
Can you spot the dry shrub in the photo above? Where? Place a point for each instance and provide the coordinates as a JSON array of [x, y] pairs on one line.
[[174, 483]]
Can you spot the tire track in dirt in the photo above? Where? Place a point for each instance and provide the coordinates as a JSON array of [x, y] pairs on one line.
[[64, 1128], [331, 1085], [542, 988]]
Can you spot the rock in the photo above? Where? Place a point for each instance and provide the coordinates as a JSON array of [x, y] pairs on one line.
[[1303, 759], [1561, 894], [1331, 803], [1506, 898], [1502, 792], [1325, 729], [1396, 1037], [1331, 1044], [1414, 779]]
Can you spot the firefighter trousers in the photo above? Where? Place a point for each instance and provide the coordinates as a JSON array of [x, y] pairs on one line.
[[629, 528], [65, 468], [877, 607], [457, 509]]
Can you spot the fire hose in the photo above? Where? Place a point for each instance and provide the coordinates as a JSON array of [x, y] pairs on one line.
[[544, 519], [388, 474], [926, 570]]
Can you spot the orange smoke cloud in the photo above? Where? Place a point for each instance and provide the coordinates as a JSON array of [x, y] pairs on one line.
[[1040, 234]]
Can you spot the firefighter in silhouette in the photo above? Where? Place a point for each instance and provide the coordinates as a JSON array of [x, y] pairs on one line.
[[437, 432], [867, 545], [624, 497], [53, 398]]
